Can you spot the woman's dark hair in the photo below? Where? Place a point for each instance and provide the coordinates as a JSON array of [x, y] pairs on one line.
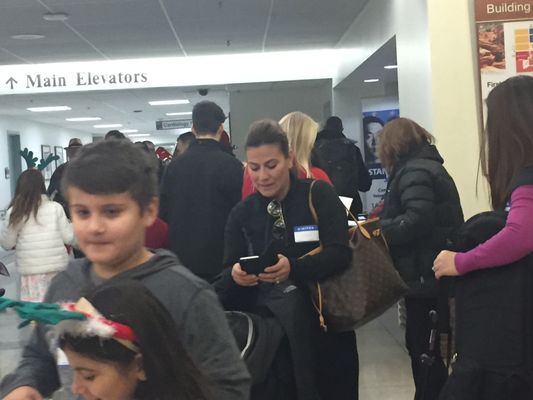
[[267, 131], [398, 139], [27, 199], [113, 166], [170, 374], [507, 142]]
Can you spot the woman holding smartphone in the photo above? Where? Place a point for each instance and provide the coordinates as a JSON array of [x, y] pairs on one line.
[[277, 217]]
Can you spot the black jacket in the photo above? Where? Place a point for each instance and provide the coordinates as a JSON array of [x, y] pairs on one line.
[[249, 231], [342, 160], [198, 191], [54, 188], [421, 209]]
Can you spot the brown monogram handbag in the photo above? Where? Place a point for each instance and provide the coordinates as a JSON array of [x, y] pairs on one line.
[[364, 290]]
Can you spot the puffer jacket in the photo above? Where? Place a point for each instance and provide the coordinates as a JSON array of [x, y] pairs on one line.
[[421, 209], [40, 243]]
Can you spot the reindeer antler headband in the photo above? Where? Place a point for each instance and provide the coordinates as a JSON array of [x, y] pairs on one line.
[[31, 160], [79, 319]]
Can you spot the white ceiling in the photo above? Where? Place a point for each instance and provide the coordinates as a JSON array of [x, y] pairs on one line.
[[123, 29], [118, 29]]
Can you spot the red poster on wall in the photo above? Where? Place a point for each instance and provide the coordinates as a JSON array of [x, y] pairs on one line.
[[505, 40]]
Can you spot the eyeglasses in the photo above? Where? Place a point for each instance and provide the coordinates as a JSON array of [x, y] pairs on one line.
[[278, 228]]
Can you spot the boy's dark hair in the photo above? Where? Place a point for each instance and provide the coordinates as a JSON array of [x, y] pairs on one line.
[[113, 166], [267, 131], [114, 134], [186, 137], [169, 371], [207, 117]]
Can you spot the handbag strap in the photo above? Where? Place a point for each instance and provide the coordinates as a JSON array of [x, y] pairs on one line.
[[318, 307]]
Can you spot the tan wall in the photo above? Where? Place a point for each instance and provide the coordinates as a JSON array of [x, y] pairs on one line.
[[455, 97]]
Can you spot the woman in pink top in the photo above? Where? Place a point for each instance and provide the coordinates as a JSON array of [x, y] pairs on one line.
[[507, 163], [301, 131]]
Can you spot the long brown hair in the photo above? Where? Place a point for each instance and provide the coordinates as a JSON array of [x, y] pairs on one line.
[[507, 142], [27, 199], [398, 138]]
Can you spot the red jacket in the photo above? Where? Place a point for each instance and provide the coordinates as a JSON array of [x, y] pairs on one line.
[[156, 236]]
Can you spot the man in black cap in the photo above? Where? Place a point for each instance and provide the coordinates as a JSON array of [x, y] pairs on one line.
[[54, 188], [199, 189]]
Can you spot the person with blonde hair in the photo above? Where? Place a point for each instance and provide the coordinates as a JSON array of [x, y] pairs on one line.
[[301, 131], [421, 208]]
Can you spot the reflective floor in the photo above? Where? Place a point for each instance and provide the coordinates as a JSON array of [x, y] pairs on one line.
[[385, 372]]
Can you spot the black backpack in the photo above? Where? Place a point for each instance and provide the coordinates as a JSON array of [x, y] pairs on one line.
[[494, 323], [339, 158]]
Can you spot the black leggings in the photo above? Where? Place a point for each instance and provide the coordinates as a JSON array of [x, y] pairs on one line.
[[338, 366]]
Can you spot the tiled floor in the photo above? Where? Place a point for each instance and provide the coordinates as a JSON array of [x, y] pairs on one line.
[[384, 364]]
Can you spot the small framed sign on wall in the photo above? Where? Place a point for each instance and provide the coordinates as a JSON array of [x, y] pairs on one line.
[[60, 152], [46, 150]]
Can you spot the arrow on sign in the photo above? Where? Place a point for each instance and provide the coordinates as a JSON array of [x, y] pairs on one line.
[[11, 81]]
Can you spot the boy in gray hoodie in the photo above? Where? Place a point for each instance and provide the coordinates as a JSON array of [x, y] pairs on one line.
[[111, 187]]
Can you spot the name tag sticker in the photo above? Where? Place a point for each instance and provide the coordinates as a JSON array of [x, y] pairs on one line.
[[306, 233]]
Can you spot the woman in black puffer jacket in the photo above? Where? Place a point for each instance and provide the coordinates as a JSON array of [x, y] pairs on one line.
[[420, 210]]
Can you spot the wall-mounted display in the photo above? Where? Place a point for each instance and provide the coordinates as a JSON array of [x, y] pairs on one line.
[[373, 123], [504, 41]]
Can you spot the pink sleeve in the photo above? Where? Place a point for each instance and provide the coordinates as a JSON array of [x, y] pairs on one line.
[[512, 243]]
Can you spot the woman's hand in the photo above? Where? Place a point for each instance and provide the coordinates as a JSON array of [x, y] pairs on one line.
[[444, 264], [241, 278], [277, 273]]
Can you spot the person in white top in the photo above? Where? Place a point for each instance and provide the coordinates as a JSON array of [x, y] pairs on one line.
[[39, 230]]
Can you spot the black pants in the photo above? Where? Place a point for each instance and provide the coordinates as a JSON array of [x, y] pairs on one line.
[[338, 366], [428, 380]]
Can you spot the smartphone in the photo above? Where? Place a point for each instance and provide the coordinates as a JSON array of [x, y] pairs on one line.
[[257, 264], [362, 216], [252, 265]]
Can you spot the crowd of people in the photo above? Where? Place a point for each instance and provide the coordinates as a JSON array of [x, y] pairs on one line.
[[167, 251]]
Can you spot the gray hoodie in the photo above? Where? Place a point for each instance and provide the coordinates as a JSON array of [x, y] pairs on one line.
[[195, 308]]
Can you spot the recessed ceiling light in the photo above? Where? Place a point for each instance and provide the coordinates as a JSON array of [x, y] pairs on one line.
[[180, 113], [139, 135], [371, 80], [129, 130], [55, 17], [27, 36], [107, 126], [168, 102], [49, 109], [390, 67], [83, 119]]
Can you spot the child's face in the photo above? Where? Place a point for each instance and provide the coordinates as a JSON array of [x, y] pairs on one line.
[[104, 380], [110, 228]]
